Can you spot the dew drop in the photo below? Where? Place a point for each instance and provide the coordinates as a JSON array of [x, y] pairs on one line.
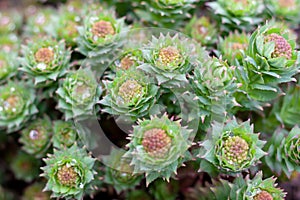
[[34, 134]]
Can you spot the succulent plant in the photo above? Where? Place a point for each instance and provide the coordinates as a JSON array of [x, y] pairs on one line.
[[45, 60], [10, 21], [158, 147], [68, 172], [256, 188], [284, 9], [283, 150], [38, 22], [8, 65], [237, 14], [169, 59], [161, 190], [130, 59], [131, 95], [25, 167], [270, 59], [100, 38], [64, 25], [119, 173], [64, 134], [230, 148], [231, 46], [16, 105], [9, 42], [165, 13], [286, 109], [241, 188], [214, 84], [35, 191], [202, 30], [78, 94], [219, 189], [36, 137]]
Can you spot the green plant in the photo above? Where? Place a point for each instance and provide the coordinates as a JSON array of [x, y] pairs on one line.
[[131, 95], [230, 148], [16, 105], [36, 137], [78, 94], [100, 38], [65, 134], [169, 59], [68, 172], [283, 152], [240, 15], [165, 13], [271, 59], [158, 147], [202, 30], [45, 60]]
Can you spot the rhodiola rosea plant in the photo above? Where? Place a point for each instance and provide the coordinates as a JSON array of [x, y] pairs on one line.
[[164, 99]]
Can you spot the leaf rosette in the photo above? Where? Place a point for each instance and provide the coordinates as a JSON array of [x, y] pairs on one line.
[[45, 60], [231, 148], [158, 147], [68, 172], [131, 94], [78, 94], [16, 105]]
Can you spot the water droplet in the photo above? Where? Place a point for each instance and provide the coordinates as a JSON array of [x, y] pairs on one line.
[[41, 66], [6, 105], [77, 18], [34, 134]]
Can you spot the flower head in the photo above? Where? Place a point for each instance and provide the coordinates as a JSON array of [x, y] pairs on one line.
[[102, 29], [44, 55], [169, 55], [130, 90], [156, 142], [236, 150], [263, 195], [126, 63], [282, 47], [67, 175]]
